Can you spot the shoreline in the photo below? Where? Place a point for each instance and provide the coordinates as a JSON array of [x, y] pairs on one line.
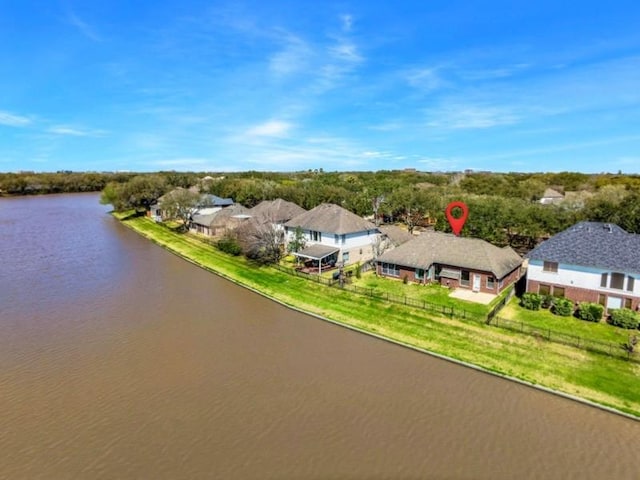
[[379, 336]]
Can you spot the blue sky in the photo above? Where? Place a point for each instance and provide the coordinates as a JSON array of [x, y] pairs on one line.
[[293, 85]]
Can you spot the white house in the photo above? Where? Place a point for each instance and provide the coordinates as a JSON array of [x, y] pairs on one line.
[[333, 234], [590, 261]]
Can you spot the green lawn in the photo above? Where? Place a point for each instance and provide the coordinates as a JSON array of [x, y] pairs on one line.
[[544, 319], [599, 378]]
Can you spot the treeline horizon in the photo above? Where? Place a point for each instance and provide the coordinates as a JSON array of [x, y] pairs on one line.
[[504, 208]]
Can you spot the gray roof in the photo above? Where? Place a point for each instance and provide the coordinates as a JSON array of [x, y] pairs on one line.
[[275, 211], [446, 249], [221, 216], [592, 244], [215, 201], [330, 218], [395, 234]]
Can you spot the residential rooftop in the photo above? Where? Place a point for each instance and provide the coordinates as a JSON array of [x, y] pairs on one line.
[[592, 244], [446, 249]]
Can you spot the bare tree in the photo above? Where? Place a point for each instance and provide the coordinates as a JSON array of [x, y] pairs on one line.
[[262, 240], [376, 203]]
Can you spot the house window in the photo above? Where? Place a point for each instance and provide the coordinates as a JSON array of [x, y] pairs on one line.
[[345, 257], [490, 282], [558, 291], [630, 283], [464, 278], [550, 267], [390, 269], [627, 303], [336, 238], [544, 289], [316, 236], [344, 239], [604, 280], [419, 273], [617, 281]]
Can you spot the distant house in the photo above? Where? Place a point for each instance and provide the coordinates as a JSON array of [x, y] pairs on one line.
[[222, 221], [456, 262], [208, 204], [333, 234], [551, 196], [276, 212], [590, 261]]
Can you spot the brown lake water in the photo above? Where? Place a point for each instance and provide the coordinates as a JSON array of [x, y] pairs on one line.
[[120, 360]]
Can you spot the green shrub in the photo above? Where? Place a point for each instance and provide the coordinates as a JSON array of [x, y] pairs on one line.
[[358, 270], [547, 301], [531, 301], [229, 245], [591, 312], [562, 307], [625, 318], [405, 279]]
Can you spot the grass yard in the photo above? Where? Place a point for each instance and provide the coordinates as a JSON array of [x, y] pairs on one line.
[[605, 380], [431, 293], [544, 319]]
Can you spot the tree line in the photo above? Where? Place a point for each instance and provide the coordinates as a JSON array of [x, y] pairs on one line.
[[504, 208]]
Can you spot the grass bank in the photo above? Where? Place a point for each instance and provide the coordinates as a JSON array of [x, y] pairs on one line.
[[604, 380]]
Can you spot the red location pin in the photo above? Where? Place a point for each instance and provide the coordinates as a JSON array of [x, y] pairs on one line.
[[457, 223]]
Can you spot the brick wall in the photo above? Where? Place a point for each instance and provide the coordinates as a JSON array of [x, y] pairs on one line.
[[581, 294]]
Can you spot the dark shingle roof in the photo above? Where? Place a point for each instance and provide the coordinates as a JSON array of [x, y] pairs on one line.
[[592, 244], [331, 218], [275, 211], [447, 249]]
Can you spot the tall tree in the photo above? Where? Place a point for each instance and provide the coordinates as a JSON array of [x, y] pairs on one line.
[[181, 204]]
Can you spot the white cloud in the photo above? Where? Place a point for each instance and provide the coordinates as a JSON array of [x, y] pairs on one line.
[[294, 58], [84, 27], [428, 79], [347, 22], [11, 120], [271, 128], [472, 117], [346, 51], [74, 132]]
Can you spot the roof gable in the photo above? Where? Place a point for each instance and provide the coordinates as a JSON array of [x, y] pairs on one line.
[[276, 211], [592, 244], [331, 218]]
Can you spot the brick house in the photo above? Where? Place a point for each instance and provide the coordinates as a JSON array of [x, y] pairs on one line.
[[456, 262], [588, 262]]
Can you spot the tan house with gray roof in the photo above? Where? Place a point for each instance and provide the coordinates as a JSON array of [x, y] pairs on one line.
[[333, 234], [456, 262]]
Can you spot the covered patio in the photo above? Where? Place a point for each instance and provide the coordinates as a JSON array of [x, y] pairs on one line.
[[318, 258]]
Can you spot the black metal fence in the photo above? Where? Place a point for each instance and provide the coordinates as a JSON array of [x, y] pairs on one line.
[[384, 296], [608, 348]]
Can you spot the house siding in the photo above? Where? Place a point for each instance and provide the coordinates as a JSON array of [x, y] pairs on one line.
[[581, 284], [358, 246]]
